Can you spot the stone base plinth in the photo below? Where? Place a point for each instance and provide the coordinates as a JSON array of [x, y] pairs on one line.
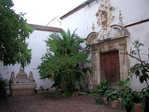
[[16, 92], [22, 89]]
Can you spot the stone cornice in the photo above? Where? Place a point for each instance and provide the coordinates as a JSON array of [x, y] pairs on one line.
[[45, 28]]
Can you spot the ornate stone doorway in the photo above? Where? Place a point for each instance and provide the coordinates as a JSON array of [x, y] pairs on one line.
[[109, 56], [110, 41], [109, 64]]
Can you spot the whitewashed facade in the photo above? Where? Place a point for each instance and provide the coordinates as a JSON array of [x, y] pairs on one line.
[[36, 43], [96, 17], [90, 20]]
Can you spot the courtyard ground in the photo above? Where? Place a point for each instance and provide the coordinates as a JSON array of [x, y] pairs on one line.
[[42, 103]]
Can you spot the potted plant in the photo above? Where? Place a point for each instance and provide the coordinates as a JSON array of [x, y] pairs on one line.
[[113, 96], [127, 98], [138, 99], [140, 70], [146, 99], [100, 90]]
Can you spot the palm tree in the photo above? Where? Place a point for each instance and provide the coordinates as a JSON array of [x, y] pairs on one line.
[[62, 60], [65, 43]]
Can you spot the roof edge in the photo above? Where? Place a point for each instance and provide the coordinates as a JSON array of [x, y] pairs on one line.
[[45, 28], [87, 2]]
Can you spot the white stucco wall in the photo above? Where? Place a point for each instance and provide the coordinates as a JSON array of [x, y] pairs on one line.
[[38, 46], [132, 11], [82, 20], [139, 32]]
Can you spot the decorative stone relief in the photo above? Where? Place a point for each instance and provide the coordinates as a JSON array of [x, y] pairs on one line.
[[92, 38], [104, 18], [22, 83], [120, 18], [115, 31], [93, 26], [22, 77]]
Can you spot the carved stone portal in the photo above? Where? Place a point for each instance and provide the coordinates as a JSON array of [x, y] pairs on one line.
[[117, 42], [110, 41], [22, 84]]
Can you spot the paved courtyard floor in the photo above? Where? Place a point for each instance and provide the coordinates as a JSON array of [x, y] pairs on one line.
[[41, 103]]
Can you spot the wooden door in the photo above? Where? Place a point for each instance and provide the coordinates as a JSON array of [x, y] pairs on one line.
[[109, 64]]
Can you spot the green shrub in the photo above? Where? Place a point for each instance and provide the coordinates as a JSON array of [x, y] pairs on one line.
[[100, 90], [112, 94], [3, 89], [63, 61]]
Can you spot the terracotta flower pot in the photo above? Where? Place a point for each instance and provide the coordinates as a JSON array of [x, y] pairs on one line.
[[138, 107], [105, 100], [114, 103]]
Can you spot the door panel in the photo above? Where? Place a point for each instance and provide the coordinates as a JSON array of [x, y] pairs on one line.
[[109, 64]]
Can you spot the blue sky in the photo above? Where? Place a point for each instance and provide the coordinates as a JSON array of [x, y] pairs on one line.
[[42, 11]]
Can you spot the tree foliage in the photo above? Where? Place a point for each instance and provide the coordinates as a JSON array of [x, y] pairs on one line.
[[3, 85], [141, 69], [63, 60], [13, 33]]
